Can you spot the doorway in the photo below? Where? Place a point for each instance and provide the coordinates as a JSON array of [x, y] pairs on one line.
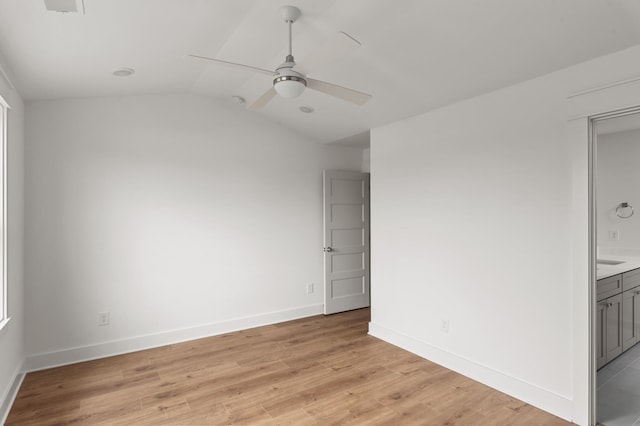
[[615, 142]]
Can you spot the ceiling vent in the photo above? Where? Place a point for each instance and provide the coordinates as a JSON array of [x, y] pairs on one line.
[[65, 6]]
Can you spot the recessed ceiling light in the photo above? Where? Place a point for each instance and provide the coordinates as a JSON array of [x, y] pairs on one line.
[[238, 99], [124, 72], [306, 109]]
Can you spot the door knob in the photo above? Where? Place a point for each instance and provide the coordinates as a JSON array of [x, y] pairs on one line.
[[328, 249]]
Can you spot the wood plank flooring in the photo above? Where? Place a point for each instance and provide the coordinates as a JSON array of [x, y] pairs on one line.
[[318, 370]]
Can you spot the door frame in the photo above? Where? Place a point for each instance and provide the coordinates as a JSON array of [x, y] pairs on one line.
[[593, 243], [584, 107]]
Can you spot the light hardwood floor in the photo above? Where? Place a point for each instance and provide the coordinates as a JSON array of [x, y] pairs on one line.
[[317, 370]]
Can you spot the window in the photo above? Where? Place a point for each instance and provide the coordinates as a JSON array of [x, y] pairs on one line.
[[4, 312]]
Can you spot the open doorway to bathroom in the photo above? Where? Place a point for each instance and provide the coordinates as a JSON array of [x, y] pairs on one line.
[[616, 186]]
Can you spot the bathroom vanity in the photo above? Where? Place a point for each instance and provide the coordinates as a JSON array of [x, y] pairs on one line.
[[617, 308]]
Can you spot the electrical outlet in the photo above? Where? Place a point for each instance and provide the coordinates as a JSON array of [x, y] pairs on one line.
[[104, 318], [614, 235], [444, 326], [310, 288]]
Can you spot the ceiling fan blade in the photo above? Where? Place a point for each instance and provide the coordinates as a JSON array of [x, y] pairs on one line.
[[349, 95], [339, 45], [234, 65], [263, 100]]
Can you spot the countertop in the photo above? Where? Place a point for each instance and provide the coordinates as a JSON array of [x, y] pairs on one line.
[[629, 263]]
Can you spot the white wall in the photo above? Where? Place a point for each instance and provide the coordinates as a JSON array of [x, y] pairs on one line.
[[180, 215], [366, 160], [471, 223], [12, 336], [618, 175]]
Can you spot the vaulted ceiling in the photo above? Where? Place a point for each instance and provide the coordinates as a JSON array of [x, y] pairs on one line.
[[415, 55]]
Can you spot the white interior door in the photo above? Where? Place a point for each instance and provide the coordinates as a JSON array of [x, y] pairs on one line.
[[346, 241]]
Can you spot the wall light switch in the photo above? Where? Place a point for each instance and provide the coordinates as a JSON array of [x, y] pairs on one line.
[[444, 326], [104, 318]]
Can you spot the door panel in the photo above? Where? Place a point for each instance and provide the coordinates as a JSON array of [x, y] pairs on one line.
[[346, 190], [347, 215], [347, 287], [346, 241], [347, 237], [347, 262]]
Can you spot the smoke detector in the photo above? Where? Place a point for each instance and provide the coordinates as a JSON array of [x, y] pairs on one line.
[[65, 6]]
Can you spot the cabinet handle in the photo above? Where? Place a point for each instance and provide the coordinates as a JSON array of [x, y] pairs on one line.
[[610, 304]]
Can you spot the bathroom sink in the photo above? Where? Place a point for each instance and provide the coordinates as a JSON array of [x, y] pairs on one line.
[[609, 262]]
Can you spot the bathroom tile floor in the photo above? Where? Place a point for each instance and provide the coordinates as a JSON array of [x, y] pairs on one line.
[[618, 390]]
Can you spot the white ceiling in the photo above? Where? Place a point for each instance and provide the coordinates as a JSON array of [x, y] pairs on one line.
[[416, 55]]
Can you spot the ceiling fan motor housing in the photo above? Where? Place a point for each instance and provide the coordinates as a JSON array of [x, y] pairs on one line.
[[288, 83]]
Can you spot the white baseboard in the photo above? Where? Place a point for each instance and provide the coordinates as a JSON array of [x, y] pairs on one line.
[[118, 347], [10, 393], [531, 394]]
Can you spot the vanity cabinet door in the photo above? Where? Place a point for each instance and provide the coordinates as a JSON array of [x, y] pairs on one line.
[[630, 318], [617, 315], [613, 332], [601, 352]]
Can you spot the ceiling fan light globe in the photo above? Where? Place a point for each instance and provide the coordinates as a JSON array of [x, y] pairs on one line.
[[289, 86]]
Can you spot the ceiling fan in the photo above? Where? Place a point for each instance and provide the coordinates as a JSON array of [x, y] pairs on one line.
[[290, 83]]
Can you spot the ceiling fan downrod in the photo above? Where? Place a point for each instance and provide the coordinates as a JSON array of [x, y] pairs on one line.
[[290, 14], [290, 55], [289, 83]]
